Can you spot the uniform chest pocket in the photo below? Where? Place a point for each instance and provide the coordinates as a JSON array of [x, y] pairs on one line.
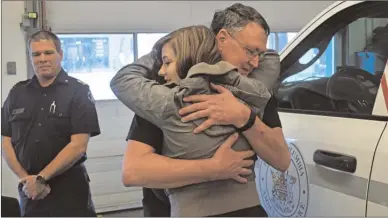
[[60, 122], [20, 117], [20, 123]]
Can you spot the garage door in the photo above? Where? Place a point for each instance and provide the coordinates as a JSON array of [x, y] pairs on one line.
[[105, 154]]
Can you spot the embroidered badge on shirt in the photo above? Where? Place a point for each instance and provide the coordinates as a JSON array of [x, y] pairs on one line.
[[18, 111], [81, 82], [90, 97]]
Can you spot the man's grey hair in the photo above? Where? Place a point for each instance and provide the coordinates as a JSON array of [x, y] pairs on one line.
[[45, 35], [236, 17]]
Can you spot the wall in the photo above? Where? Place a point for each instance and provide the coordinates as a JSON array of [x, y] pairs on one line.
[[105, 154], [13, 44], [12, 49], [162, 16]]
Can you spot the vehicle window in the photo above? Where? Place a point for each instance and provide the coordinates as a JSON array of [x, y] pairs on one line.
[[339, 66]]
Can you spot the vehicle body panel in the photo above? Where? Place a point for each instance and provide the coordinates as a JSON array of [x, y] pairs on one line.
[[311, 188]]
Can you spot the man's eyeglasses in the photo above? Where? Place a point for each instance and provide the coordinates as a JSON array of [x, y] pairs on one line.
[[249, 52]]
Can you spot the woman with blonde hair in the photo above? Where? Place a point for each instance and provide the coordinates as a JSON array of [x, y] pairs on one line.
[[191, 64]]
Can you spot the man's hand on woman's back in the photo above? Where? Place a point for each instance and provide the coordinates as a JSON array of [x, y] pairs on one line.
[[231, 164], [143, 167]]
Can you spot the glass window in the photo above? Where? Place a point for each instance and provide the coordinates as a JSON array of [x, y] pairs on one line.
[[96, 58], [271, 41], [283, 38], [339, 66], [322, 67], [145, 42]]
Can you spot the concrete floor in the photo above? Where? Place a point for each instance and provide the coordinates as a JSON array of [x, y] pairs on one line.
[[124, 213]]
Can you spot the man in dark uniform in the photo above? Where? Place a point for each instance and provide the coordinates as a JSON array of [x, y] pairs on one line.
[[10, 207], [241, 34], [46, 125]]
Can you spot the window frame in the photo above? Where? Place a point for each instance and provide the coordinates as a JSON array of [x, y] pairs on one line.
[[103, 33], [135, 34], [30, 73], [350, 14]]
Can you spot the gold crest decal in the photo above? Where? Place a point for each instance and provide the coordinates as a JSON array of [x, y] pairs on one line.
[[284, 194]]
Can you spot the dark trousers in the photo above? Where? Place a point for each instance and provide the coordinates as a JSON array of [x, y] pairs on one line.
[[153, 206], [257, 211], [10, 207], [70, 197]]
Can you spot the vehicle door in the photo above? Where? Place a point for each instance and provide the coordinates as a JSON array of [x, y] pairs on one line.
[[377, 204], [326, 96]]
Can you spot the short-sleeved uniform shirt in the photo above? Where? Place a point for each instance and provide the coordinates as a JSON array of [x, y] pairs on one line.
[[155, 202], [41, 120]]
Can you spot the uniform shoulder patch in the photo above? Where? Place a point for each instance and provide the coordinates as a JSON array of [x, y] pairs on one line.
[[83, 83], [90, 97]]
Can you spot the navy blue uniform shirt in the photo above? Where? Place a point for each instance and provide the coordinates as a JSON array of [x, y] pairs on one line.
[[41, 120]]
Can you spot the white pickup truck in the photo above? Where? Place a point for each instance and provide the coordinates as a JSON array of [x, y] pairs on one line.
[[333, 104]]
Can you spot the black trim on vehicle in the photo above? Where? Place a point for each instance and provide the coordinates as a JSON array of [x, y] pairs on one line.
[[319, 38], [334, 114], [325, 31]]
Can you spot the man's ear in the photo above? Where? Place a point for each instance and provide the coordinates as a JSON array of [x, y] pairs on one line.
[[60, 54], [221, 36]]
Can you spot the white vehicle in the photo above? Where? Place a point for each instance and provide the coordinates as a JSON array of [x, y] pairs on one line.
[[333, 104]]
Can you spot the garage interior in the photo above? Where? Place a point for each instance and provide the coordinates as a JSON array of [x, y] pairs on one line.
[[119, 32]]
